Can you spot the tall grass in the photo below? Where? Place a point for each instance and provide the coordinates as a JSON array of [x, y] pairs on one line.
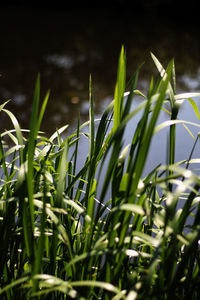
[[60, 239]]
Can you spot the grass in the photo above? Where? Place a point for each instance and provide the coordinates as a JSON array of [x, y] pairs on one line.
[[62, 239]]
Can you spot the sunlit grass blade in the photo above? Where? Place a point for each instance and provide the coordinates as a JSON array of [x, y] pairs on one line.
[[76, 146], [142, 155], [101, 227], [183, 96], [28, 211], [91, 118], [195, 107], [18, 131], [4, 104], [119, 90], [163, 75], [114, 138], [2, 160], [173, 78], [59, 131], [62, 169]]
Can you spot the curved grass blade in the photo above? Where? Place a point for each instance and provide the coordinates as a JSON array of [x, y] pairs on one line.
[[172, 122], [18, 132], [163, 75], [195, 107]]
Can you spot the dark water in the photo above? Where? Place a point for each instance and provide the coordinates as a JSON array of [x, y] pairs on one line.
[[66, 46]]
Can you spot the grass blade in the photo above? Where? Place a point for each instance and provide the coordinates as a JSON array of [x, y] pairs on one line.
[[119, 90]]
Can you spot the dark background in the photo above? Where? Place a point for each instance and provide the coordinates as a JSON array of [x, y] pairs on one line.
[[168, 7], [181, 12], [68, 40]]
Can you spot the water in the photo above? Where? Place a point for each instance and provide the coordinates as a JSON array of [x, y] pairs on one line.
[[67, 46]]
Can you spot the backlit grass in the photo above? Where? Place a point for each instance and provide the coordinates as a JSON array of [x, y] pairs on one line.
[[60, 239]]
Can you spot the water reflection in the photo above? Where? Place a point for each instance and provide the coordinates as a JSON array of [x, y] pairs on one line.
[[190, 81], [65, 61], [65, 47]]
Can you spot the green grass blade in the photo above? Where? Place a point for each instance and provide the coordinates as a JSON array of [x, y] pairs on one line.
[[59, 131], [142, 156], [132, 84], [140, 243], [173, 77], [91, 119], [103, 129], [18, 131], [195, 107], [4, 104], [31, 149], [13, 284], [2, 160], [119, 90], [183, 96], [41, 244], [42, 110], [29, 214], [62, 170], [163, 75], [76, 146]]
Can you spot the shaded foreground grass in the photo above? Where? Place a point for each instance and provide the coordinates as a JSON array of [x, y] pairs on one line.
[[57, 241]]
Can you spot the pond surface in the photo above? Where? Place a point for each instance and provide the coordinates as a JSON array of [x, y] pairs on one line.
[[65, 47]]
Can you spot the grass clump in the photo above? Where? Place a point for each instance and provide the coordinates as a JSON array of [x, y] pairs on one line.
[[62, 239]]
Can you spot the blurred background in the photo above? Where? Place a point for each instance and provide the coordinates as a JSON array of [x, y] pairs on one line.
[[67, 41]]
